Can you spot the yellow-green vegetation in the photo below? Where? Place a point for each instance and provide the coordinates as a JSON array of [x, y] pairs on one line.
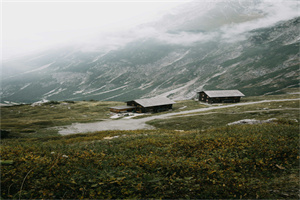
[[221, 117], [241, 161], [190, 156], [33, 121], [288, 93]]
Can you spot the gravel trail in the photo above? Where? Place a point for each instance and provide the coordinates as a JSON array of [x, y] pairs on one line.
[[135, 124]]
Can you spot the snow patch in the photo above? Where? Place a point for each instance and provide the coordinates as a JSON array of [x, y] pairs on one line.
[[113, 96], [39, 69], [54, 92], [97, 58], [115, 78], [293, 41], [146, 85], [172, 58], [49, 92], [180, 89], [9, 103], [39, 103], [78, 92], [94, 90], [111, 90], [25, 86], [162, 84]]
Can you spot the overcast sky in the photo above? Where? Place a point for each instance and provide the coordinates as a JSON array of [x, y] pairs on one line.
[[32, 25]]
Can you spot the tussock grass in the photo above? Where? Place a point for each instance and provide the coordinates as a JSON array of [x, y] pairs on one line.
[[247, 161], [202, 159]]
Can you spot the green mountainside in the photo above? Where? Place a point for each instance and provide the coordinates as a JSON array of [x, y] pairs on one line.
[[264, 62]]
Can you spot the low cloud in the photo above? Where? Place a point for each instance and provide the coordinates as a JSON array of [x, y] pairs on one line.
[[272, 12]]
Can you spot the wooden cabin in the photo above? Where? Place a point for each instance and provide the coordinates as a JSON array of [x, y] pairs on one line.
[[153, 105], [220, 96], [120, 109]]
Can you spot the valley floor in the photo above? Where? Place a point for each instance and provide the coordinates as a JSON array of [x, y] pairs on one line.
[[136, 124]]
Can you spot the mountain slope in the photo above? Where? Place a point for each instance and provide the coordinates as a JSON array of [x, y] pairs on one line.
[[257, 62]]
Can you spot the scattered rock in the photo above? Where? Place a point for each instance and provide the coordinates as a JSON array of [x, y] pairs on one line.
[[279, 166], [285, 194], [252, 121], [36, 104], [109, 138]]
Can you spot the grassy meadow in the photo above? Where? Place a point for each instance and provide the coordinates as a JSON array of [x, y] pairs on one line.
[[246, 161], [188, 156], [221, 117], [34, 121]]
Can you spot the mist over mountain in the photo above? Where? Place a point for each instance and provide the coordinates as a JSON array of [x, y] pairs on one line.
[[252, 46]]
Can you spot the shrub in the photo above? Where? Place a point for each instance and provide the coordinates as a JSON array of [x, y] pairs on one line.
[[4, 133], [52, 103], [70, 102]]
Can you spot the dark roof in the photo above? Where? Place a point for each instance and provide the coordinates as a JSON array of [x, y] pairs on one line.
[[223, 93], [155, 101]]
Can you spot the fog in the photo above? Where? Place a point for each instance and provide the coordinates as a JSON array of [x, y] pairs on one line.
[[29, 26], [32, 25], [274, 12]]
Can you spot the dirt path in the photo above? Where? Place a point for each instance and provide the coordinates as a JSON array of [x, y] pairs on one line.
[[135, 124]]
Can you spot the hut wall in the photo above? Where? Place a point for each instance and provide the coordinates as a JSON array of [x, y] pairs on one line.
[[161, 108], [205, 98], [224, 100], [121, 110]]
